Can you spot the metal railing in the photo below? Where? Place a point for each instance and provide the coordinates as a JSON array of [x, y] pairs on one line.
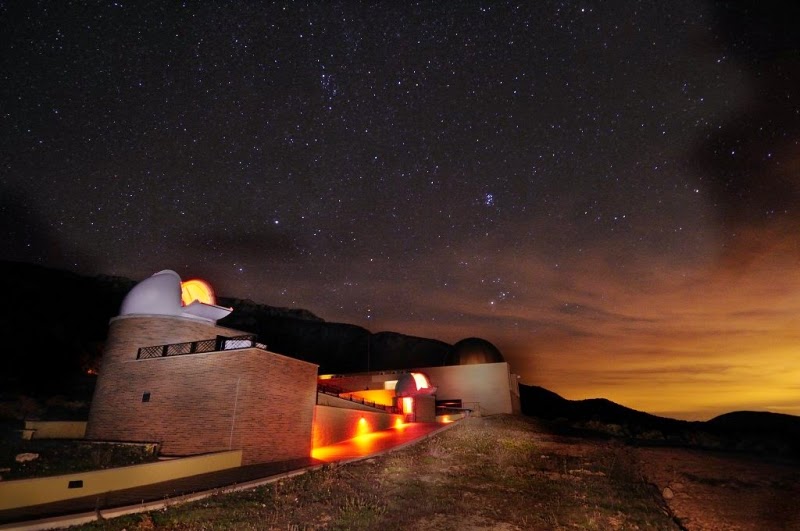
[[345, 395], [333, 390], [219, 343]]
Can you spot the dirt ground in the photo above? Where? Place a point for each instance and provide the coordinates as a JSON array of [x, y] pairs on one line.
[[716, 491], [509, 473]]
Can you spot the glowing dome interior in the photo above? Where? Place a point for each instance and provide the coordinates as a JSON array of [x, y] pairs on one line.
[[197, 290]]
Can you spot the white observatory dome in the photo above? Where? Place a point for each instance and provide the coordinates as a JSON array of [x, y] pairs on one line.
[[158, 295], [161, 295]]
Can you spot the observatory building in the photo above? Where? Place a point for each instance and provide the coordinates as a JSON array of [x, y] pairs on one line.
[[477, 380], [171, 375]]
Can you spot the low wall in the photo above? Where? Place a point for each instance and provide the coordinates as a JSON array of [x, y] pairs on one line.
[[56, 429], [35, 491], [336, 424]]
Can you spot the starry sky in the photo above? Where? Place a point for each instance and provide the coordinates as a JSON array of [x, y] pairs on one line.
[[607, 191]]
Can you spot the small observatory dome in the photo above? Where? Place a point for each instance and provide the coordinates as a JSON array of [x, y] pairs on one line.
[[158, 295], [474, 350], [413, 384]]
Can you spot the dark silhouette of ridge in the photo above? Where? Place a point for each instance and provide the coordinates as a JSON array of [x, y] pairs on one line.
[[765, 423], [763, 433], [540, 402], [54, 325]]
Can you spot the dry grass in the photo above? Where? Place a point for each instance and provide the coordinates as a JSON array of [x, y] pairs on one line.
[[501, 472]]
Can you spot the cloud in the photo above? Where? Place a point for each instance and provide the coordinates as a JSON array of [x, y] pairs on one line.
[[751, 162]]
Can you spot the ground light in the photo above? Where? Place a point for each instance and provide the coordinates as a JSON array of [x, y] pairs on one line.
[[360, 445], [363, 427]]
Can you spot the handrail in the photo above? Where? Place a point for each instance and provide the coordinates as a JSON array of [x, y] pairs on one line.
[[338, 392], [219, 343]]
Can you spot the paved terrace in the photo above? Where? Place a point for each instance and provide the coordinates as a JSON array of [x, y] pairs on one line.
[[157, 495]]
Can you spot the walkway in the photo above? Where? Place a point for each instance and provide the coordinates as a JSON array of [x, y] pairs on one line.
[[155, 496]]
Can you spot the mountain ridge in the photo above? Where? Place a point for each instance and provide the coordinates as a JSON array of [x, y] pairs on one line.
[[65, 316], [763, 433]]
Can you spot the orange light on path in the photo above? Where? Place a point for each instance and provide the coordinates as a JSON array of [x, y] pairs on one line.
[[371, 443]]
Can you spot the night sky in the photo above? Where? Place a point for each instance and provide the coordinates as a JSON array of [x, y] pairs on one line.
[[607, 191]]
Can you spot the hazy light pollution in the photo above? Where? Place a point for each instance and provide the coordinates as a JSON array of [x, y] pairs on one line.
[[608, 191]]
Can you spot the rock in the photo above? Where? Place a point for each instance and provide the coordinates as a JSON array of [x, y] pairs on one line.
[[667, 493], [22, 458]]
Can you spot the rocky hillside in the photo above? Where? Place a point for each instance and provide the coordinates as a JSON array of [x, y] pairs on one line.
[[335, 347], [54, 325]]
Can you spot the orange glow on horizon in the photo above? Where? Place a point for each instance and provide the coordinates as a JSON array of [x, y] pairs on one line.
[[688, 340], [197, 290]]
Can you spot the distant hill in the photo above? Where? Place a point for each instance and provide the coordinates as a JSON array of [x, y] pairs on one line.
[[335, 347], [745, 431], [54, 325], [539, 402]]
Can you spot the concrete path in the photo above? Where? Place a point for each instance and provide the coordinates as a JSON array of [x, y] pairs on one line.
[[375, 443], [156, 496]]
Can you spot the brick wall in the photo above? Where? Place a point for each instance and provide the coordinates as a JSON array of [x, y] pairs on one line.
[[249, 399], [425, 408], [127, 333]]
